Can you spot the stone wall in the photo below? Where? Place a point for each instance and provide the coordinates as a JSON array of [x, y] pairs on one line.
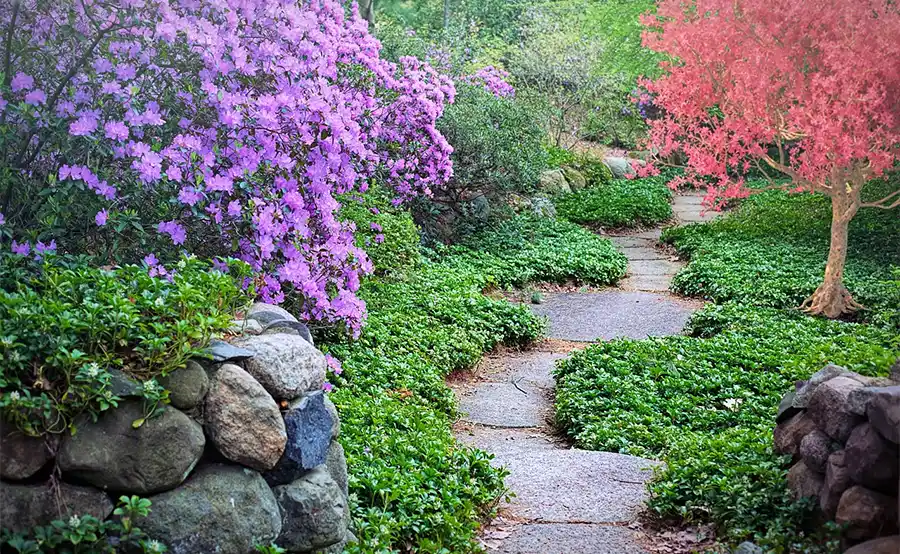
[[843, 431], [244, 455]]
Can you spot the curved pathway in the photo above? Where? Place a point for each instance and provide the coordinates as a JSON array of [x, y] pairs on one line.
[[567, 500]]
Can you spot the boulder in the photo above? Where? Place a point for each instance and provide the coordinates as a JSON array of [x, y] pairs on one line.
[[243, 420], [837, 481], [884, 545], [858, 401], [267, 313], [123, 385], [26, 506], [187, 386], [543, 207], [866, 513], [553, 181], [829, 410], [805, 392], [336, 465], [884, 412], [288, 328], [872, 461], [574, 178], [804, 482], [895, 371], [221, 508], [338, 548], [786, 408], [22, 456], [245, 327], [314, 512], [332, 409], [285, 365], [114, 455], [790, 433], [621, 168], [815, 448], [309, 425], [220, 351]]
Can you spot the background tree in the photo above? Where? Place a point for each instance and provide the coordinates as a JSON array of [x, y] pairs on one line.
[[805, 94]]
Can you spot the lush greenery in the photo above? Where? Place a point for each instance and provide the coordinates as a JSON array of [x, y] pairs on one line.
[[620, 203], [64, 326]]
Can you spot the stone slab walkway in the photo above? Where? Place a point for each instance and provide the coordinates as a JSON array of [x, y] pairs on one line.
[[567, 500]]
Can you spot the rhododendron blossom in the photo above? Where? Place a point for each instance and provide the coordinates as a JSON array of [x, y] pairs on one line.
[[494, 80], [228, 126], [806, 94]]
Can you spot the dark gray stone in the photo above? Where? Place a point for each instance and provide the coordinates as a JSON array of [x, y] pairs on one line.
[[804, 393], [187, 386], [837, 481], [748, 548], [884, 412], [332, 409], [113, 455], [338, 548], [884, 545], [568, 538], [786, 409], [309, 426], [314, 512], [26, 506], [285, 365], [220, 351], [804, 482], [243, 421], [611, 314], [866, 513], [815, 448], [505, 405], [22, 456], [828, 408], [290, 328], [790, 433], [858, 401], [221, 508], [336, 464], [122, 385], [872, 461]]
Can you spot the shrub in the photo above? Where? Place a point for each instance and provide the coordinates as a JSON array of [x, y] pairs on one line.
[[64, 326], [621, 203], [387, 233]]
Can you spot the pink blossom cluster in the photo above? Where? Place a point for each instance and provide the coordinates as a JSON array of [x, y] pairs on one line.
[[250, 116], [493, 79]]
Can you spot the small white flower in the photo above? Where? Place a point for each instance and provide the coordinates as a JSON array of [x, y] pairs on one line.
[[733, 403], [93, 370], [14, 395], [74, 521], [155, 546], [159, 302]]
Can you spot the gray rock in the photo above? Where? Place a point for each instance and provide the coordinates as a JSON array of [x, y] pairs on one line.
[[804, 482], [332, 409], [884, 412], [220, 351], [245, 327], [804, 393], [187, 386], [790, 433], [285, 365], [815, 448], [336, 465], [221, 508], [243, 421], [338, 548], [748, 548], [309, 425], [314, 512], [114, 455], [872, 461], [553, 181], [786, 408], [837, 481], [895, 371], [866, 513], [574, 178], [884, 545], [858, 401], [621, 168], [828, 408], [543, 207], [267, 313], [26, 506], [22, 456], [122, 385], [289, 328]]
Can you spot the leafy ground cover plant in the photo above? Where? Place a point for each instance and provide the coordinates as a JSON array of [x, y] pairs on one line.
[[64, 326], [705, 403], [620, 203]]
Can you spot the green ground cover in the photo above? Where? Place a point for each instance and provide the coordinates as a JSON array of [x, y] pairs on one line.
[[619, 203]]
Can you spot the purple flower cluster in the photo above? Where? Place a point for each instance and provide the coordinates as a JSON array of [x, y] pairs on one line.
[[253, 115], [494, 80]]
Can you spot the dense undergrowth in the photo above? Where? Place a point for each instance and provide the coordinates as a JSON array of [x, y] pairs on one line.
[[414, 487], [619, 203], [705, 403]]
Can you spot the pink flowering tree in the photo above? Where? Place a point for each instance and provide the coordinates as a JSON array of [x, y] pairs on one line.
[[806, 94], [139, 128]]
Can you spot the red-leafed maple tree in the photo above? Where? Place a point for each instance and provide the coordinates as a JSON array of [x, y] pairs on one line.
[[805, 93]]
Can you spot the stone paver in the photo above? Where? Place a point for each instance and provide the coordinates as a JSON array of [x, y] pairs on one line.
[[529, 368], [505, 405], [654, 267], [647, 283], [615, 313], [561, 538]]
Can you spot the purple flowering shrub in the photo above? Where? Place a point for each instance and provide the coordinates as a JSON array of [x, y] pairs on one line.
[[494, 80], [224, 128]]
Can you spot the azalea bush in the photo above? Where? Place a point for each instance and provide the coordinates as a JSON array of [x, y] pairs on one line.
[[220, 128]]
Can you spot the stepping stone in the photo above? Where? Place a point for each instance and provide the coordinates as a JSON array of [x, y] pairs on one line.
[[647, 283], [654, 267], [525, 368], [587, 317], [562, 538], [632, 242], [643, 253], [567, 485], [688, 200], [652, 234], [505, 405]]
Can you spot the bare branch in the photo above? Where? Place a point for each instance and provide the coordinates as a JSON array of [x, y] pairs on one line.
[[7, 55], [885, 203]]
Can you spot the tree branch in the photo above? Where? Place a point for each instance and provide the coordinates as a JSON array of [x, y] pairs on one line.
[[7, 56], [885, 203]]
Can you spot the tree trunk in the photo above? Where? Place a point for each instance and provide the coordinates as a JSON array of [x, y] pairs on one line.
[[832, 299], [446, 14], [367, 11]]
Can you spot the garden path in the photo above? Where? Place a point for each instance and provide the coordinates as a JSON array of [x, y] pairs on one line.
[[567, 500]]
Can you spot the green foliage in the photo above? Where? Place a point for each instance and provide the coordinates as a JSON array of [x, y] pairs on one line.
[[86, 534], [388, 234], [529, 249], [772, 251], [621, 203], [63, 326], [558, 157], [595, 172], [706, 403]]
